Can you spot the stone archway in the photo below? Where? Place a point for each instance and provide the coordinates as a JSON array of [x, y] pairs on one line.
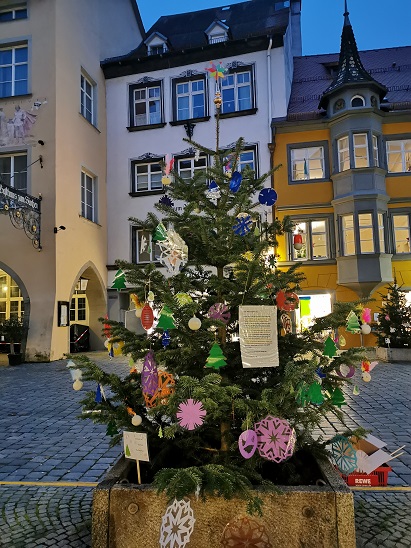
[[97, 302]]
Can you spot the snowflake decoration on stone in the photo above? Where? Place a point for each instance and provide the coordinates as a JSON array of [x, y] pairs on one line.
[[276, 439], [245, 533], [243, 225], [190, 414], [344, 455], [177, 525]]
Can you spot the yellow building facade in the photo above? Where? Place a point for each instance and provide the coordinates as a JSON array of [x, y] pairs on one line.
[[345, 155]]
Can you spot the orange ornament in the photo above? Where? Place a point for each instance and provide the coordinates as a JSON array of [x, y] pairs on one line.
[[147, 317], [287, 301], [165, 388]]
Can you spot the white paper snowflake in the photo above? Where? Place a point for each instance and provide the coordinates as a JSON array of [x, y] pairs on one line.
[[177, 525]]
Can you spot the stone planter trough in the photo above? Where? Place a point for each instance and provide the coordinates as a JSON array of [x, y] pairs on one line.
[[393, 354], [129, 516]]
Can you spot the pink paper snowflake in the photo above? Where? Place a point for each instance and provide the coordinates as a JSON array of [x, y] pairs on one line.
[[190, 414], [276, 439]]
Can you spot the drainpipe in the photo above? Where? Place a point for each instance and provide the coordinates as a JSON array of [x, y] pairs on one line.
[[269, 87]]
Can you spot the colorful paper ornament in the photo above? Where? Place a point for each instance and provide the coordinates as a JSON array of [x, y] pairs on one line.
[[149, 374], [216, 71], [268, 196], [337, 397], [245, 532], [366, 377], [136, 420], [344, 454], [213, 192], [191, 414], [147, 317], [366, 315], [216, 359], [330, 348], [177, 525], [298, 241], [365, 329], [346, 371], [276, 439], [174, 252], [365, 366], [356, 390], [165, 388], [119, 280], [287, 301], [160, 233], [194, 323], [247, 443], [235, 181], [243, 225], [315, 394], [166, 180], [320, 373], [341, 341], [98, 397], [77, 385], [165, 339], [286, 323], [353, 325], [115, 348], [166, 320], [150, 297], [183, 299], [166, 201], [219, 311]]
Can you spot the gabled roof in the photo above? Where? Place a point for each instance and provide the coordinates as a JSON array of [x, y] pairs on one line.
[[214, 24], [153, 35], [391, 66], [187, 30]]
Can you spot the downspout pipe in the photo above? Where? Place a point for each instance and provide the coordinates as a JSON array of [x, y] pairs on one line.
[[269, 88]]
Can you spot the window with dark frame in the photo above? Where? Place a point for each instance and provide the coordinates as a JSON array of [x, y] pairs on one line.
[[307, 163], [314, 237], [402, 232], [88, 99], [237, 90], [13, 170], [146, 175], [145, 104], [399, 155], [189, 98], [144, 250], [10, 13], [88, 197]]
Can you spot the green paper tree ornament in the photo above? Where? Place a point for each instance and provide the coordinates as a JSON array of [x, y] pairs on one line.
[[166, 320], [337, 398], [119, 280], [128, 453], [160, 233], [314, 394], [216, 359], [353, 325], [330, 348], [111, 429]]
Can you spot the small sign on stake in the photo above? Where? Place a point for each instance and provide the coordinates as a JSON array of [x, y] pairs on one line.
[[136, 448]]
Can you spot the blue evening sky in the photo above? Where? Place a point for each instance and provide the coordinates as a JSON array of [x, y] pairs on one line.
[[376, 23]]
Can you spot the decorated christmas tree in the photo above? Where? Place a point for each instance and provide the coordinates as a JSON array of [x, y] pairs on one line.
[[394, 320], [230, 372]]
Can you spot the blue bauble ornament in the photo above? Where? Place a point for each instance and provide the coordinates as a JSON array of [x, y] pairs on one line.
[[267, 196], [235, 182]]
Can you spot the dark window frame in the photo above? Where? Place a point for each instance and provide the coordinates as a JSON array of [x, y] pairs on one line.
[[134, 251], [330, 240], [253, 107], [131, 118], [312, 144], [150, 160], [182, 80]]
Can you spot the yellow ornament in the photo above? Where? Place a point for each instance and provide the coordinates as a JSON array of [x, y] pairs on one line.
[[342, 341], [166, 180], [77, 385], [194, 323]]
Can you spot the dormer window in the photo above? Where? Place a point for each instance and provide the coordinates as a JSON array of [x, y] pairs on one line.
[[217, 32], [358, 101], [156, 44]]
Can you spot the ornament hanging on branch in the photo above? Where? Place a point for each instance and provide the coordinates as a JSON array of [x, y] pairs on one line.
[[149, 374], [147, 317], [346, 371], [235, 183], [160, 233], [219, 311], [337, 397], [165, 339], [216, 359], [119, 280], [243, 225], [314, 394], [330, 348], [183, 299], [174, 251], [276, 439], [213, 192], [166, 179], [194, 323], [165, 388], [267, 196], [286, 323], [166, 320], [191, 414], [353, 325], [287, 301], [247, 443], [166, 201]]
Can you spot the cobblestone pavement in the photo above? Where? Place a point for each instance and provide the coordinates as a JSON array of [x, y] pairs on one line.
[[42, 440]]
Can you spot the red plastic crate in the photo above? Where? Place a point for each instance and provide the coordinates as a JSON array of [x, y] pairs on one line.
[[377, 478]]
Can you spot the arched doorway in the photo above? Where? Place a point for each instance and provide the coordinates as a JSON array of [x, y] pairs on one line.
[[14, 303]]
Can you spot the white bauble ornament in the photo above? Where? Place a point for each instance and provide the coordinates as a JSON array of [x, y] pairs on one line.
[[106, 343], [136, 420], [77, 385], [194, 323], [365, 329], [366, 377]]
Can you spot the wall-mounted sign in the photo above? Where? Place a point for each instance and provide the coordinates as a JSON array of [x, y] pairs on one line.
[[63, 313]]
